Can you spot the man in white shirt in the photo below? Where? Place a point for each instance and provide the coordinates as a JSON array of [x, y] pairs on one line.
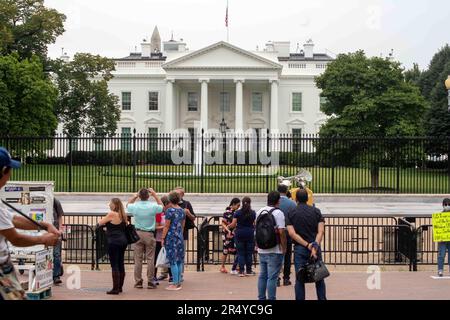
[[271, 259], [10, 288]]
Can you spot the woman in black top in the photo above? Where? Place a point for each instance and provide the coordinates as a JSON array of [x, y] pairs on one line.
[[244, 222], [116, 222]]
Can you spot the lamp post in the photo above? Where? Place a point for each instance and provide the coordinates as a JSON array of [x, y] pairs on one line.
[[447, 85]]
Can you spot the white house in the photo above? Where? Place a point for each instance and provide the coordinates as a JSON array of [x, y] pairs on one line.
[[167, 87]]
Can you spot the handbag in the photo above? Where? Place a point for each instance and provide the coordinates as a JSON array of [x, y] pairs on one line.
[[314, 271], [161, 260], [130, 232]]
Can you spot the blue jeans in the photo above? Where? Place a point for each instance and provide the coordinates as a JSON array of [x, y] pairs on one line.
[[443, 247], [270, 266], [177, 270], [57, 260], [301, 257], [245, 254]]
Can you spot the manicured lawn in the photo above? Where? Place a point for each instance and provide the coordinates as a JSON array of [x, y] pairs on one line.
[[230, 179]]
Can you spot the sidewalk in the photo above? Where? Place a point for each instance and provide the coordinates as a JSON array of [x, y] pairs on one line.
[[215, 286]]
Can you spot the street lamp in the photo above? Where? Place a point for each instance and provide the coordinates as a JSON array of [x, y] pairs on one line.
[[447, 85]]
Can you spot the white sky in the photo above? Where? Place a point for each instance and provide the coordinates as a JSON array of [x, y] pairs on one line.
[[415, 29]]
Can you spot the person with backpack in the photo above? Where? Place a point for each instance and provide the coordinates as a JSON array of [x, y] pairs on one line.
[[271, 241]]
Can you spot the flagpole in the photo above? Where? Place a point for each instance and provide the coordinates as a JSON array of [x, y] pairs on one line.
[[228, 28]]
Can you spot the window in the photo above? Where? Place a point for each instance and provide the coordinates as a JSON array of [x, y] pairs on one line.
[[296, 101], [98, 144], [153, 101], [192, 101], [257, 102], [152, 139], [125, 139], [323, 101], [296, 140], [126, 101], [224, 102], [74, 144]]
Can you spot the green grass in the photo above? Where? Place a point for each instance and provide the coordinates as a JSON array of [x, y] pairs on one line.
[[120, 179]]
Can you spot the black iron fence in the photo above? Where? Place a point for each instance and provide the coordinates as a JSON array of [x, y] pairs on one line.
[[208, 163], [384, 241]]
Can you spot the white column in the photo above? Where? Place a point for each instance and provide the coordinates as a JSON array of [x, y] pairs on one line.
[[239, 105], [204, 104], [274, 105], [170, 114]]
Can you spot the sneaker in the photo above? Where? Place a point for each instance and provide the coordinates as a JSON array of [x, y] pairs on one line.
[[234, 272], [57, 281], [287, 282], [151, 285], [251, 274], [440, 274], [139, 285], [155, 281], [241, 275], [171, 281], [173, 288]]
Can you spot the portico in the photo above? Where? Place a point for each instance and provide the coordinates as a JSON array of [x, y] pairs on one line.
[[222, 81]]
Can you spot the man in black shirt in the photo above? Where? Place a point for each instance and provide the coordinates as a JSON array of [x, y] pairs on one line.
[[190, 215], [306, 227]]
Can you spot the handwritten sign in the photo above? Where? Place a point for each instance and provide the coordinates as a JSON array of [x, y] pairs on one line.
[[441, 227]]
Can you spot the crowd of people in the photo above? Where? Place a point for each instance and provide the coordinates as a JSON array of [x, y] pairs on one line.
[[299, 224], [162, 223]]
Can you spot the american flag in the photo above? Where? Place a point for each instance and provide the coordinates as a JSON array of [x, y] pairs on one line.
[[226, 17]]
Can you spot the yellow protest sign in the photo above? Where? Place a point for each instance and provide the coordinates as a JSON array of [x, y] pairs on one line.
[[441, 227]]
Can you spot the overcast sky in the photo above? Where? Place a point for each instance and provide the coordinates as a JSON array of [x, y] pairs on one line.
[[415, 29]]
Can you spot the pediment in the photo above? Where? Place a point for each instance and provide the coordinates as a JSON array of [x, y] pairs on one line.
[[222, 55], [153, 121], [296, 122]]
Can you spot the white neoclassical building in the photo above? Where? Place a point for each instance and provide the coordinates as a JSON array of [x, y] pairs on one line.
[[167, 87]]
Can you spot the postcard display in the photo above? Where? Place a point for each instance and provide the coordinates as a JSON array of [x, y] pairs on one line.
[[34, 199]]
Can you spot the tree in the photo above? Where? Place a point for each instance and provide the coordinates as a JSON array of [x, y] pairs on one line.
[[413, 75], [85, 106], [433, 89], [369, 97], [27, 98], [28, 27]]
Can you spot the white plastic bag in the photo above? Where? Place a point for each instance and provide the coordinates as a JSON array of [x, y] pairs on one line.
[[162, 261]]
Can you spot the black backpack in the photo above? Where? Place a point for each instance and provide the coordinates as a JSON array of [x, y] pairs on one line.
[[266, 237]]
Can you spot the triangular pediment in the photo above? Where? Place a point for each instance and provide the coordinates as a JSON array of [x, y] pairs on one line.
[[296, 122], [221, 55]]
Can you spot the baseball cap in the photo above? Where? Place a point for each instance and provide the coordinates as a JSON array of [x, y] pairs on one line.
[[7, 161]]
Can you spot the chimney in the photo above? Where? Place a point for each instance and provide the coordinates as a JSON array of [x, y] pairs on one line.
[[146, 49], [309, 49]]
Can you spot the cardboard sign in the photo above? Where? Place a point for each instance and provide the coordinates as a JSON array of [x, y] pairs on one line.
[[441, 227], [44, 269]]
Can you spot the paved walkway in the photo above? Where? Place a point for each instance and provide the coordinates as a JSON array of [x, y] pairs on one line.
[[215, 286]]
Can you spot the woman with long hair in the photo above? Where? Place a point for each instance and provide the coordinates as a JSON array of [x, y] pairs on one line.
[[244, 235], [115, 222], [228, 235]]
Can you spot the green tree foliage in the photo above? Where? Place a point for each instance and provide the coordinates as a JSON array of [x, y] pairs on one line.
[[27, 98], [85, 106], [369, 97], [433, 89], [28, 27]]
